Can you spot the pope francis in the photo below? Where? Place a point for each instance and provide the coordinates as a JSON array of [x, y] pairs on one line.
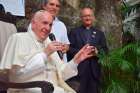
[[31, 56]]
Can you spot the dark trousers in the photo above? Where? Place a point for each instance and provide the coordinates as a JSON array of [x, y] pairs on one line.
[[3, 91], [89, 76]]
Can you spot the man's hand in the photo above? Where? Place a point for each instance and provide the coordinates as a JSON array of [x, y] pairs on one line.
[[52, 47], [65, 48], [84, 53]]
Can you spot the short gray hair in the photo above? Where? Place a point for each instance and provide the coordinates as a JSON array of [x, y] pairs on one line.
[[38, 14], [44, 2]]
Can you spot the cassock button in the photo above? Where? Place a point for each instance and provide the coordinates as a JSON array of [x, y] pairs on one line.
[[93, 35]]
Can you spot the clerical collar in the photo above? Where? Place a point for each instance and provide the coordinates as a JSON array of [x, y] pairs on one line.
[[88, 28]]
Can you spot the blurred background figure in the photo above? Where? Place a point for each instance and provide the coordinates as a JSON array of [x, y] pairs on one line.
[[6, 29]]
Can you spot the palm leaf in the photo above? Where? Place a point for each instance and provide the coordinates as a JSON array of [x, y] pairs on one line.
[[116, 87], [117, 59]]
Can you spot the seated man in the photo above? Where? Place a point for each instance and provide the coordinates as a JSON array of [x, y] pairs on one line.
[[30, 57]]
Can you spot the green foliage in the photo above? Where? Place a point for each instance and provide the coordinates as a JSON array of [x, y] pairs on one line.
[[120, 57], [120, 66], [128, 10], [130, 17], [116, 87]]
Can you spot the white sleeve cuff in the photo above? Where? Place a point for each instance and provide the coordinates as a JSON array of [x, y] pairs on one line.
[[69, 70], [73, 64]]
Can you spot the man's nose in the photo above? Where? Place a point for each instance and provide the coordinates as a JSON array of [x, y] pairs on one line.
[[48, 27]]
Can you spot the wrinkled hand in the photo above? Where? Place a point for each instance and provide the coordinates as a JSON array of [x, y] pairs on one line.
[[52, 47], [65, 48], [86, 52]]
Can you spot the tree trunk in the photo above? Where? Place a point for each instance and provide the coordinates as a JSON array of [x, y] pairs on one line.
[[109, 20]]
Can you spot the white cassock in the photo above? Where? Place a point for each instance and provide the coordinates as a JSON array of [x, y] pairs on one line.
[[26, 61]]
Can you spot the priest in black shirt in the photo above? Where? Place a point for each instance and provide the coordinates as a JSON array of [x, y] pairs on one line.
[[89, 72]]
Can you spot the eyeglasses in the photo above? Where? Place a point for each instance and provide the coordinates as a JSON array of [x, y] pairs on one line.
[[84, 16]]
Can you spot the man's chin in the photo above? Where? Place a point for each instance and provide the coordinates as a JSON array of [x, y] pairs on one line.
[[53, 14], [43, 38]]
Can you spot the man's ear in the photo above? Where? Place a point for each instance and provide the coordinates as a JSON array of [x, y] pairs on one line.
[[32, 23]]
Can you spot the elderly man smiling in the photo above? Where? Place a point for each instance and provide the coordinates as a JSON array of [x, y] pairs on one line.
[[30, 57]]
